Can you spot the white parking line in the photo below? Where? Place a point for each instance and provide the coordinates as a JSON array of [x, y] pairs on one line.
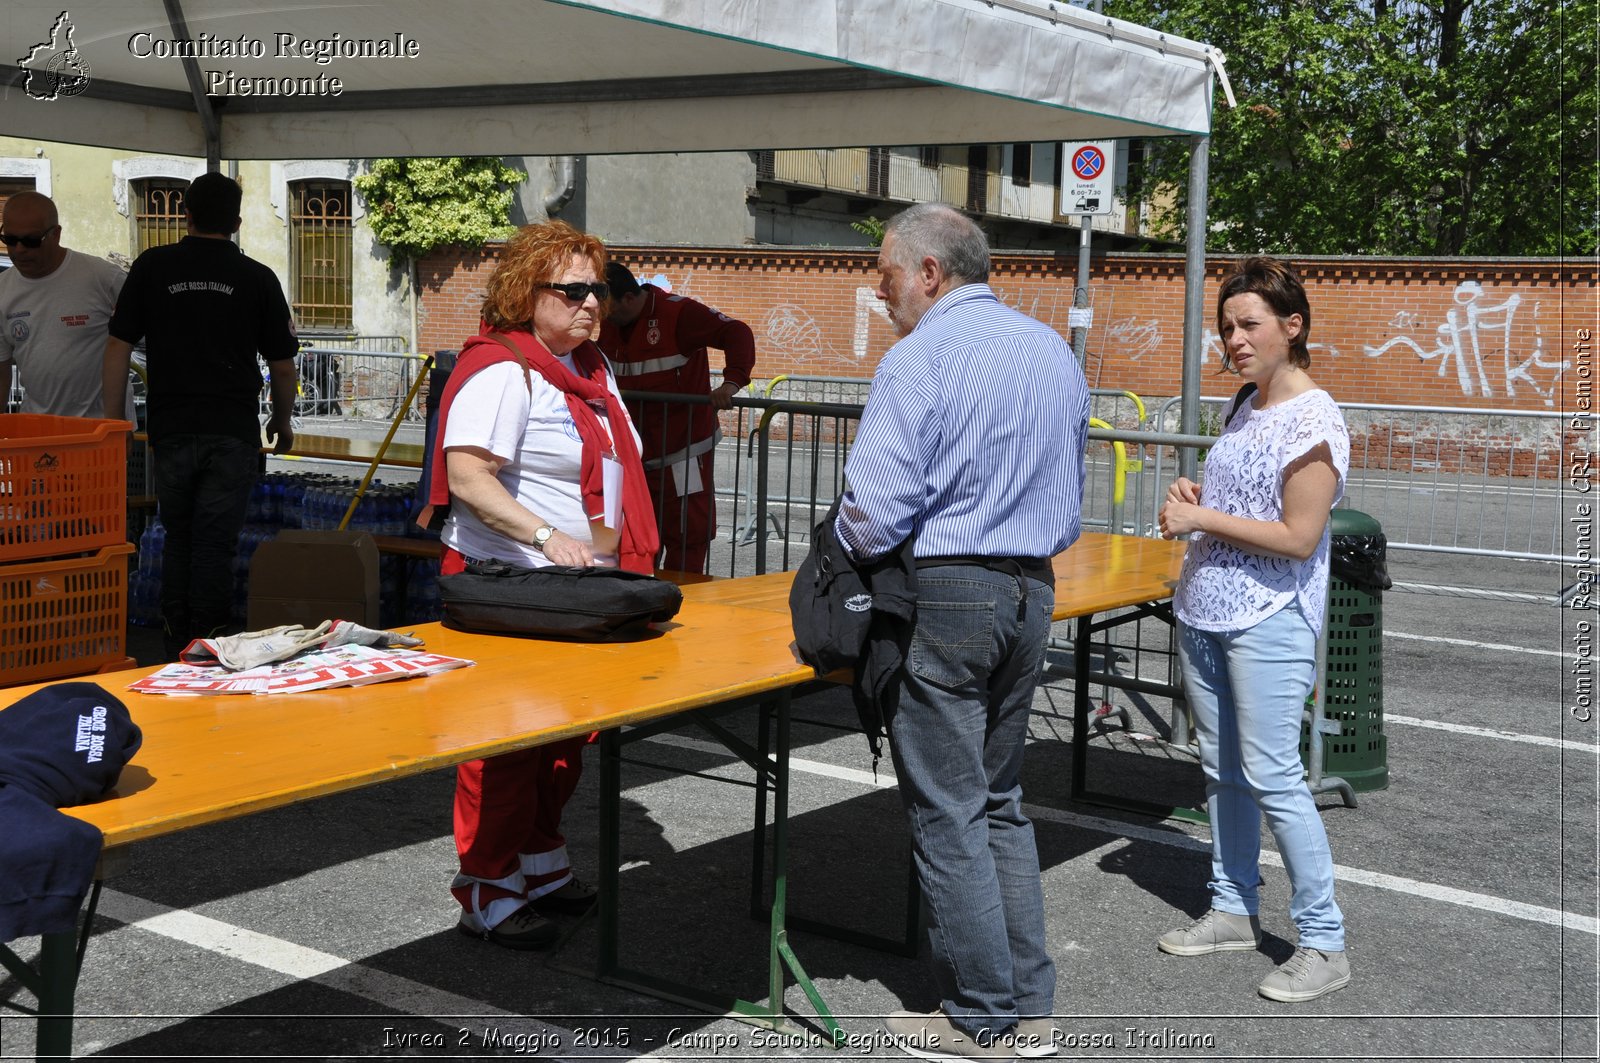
[[1489, 732], [1479, 645], [405, 996]]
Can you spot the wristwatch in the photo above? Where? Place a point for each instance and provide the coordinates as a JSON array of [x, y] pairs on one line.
[[542, 536]]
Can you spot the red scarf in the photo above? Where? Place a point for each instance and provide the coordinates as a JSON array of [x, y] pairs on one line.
[[584, 390]]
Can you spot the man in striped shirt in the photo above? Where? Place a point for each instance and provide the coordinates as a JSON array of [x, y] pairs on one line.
[[972, 441]]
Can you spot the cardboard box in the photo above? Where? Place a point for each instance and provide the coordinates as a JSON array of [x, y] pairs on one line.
[[306, 577]]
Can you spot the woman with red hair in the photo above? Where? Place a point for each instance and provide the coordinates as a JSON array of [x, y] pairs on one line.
[[529, 422]]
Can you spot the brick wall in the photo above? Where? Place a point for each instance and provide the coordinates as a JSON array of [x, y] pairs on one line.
[[1469, 333]]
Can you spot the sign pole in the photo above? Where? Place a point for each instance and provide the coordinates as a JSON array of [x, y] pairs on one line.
[[1080, 296], [1088, 187]]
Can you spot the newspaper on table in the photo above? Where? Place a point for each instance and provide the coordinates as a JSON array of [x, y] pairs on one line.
[[342, 666]]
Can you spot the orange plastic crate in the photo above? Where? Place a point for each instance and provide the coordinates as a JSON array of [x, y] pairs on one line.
[[63, 484], [65, 617]]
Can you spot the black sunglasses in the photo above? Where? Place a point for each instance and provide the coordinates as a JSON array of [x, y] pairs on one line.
[[578, 291], [31, 242]]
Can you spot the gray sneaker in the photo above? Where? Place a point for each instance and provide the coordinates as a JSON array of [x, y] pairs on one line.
[[1307, 975], [934, 1036], [1035, 1038], [1213, 932]]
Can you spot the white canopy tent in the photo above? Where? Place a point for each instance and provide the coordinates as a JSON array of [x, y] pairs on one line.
[[220, 79]]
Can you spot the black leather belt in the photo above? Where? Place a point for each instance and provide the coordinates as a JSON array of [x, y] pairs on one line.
[[1019, 568]]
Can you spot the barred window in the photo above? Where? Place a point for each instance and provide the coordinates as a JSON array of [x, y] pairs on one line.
[[320, 250], [158, 213], [928, 156], [978, 179], [878, 172]]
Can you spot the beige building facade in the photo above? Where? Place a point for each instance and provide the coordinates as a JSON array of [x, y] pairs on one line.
[[300, 217]]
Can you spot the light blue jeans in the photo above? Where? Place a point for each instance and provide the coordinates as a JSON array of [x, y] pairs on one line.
[[957, 741], [1247, 690]]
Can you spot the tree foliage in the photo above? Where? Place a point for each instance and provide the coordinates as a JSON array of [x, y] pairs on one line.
[[1437, 127], [872, 228], [416, 205]]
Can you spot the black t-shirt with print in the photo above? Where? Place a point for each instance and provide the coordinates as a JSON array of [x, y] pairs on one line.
[[204, 310]]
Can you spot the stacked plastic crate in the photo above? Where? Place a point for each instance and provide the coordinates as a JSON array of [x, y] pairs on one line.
[[63, 547]]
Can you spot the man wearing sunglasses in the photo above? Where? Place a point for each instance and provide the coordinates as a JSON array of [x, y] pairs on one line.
[[55, 305], [657, 342]]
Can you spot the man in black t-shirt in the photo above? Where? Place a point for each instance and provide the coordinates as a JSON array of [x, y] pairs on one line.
[[204, 310]]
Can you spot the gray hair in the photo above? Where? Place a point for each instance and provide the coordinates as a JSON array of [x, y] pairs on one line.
[[940, 232]]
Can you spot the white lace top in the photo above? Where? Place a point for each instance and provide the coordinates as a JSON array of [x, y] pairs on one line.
[[1225, 587]]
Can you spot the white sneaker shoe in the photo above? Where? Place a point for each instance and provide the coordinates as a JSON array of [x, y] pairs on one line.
[[933, 1036], [1213, 932], [1307, 975]]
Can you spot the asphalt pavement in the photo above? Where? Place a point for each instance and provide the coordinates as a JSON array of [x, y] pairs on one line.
[[326, 931]]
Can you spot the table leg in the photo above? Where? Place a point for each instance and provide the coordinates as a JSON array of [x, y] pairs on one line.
[[1080, 710], [58, 984], [610, 851], [782, 954], [1079, 789], [758, 846]]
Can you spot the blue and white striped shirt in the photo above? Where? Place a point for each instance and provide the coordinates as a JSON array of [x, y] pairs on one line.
[[972, 438]]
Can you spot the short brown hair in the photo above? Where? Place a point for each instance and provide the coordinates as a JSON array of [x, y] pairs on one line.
[[537, 254], [1279, 286]]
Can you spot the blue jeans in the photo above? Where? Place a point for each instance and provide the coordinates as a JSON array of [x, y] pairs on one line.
[[203, 485], [957, 741], [1247, 690]]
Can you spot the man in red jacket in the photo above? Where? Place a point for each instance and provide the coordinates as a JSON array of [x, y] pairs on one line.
[[657, 342]]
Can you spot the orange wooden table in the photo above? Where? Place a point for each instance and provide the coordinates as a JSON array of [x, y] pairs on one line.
[[210, 759], [1098, 573], [342, 448]]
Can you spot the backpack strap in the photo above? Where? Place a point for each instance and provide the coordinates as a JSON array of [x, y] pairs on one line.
[[1239, 398], [527, 370]]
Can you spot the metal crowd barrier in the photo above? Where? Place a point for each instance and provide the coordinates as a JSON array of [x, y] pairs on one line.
[[780, 464], [1442, 479], [352, 384]]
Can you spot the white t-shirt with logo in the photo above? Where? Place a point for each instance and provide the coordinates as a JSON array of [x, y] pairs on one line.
[[54, 330], [538, 440]]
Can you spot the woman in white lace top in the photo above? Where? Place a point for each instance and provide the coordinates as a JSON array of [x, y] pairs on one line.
[[1250, 604]]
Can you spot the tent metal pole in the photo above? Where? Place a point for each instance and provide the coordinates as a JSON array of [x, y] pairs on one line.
[[1194, 283], [197, 88]]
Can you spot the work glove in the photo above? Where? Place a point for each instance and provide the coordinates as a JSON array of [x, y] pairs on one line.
[[251, 649], [347, 633]]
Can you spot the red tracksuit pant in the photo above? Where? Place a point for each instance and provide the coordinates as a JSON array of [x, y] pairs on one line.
[[508, 821], [686, 522]]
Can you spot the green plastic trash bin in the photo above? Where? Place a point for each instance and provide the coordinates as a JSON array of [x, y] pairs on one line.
[[1359, 753]]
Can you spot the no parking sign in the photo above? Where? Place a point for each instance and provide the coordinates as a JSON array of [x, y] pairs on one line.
[[1088, 180]]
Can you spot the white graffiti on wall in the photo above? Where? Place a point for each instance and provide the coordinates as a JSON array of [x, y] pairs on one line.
[[867, 304], [791, 330], [1132, 339], [1473, 332], [1041, 305]]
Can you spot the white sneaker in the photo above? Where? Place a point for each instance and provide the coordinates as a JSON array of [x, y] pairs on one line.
[[933, 1036], [1307, 975], [1035, 1038], [1213, 932]]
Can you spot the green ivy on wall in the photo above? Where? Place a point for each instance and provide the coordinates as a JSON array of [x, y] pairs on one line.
[[417, 205]]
